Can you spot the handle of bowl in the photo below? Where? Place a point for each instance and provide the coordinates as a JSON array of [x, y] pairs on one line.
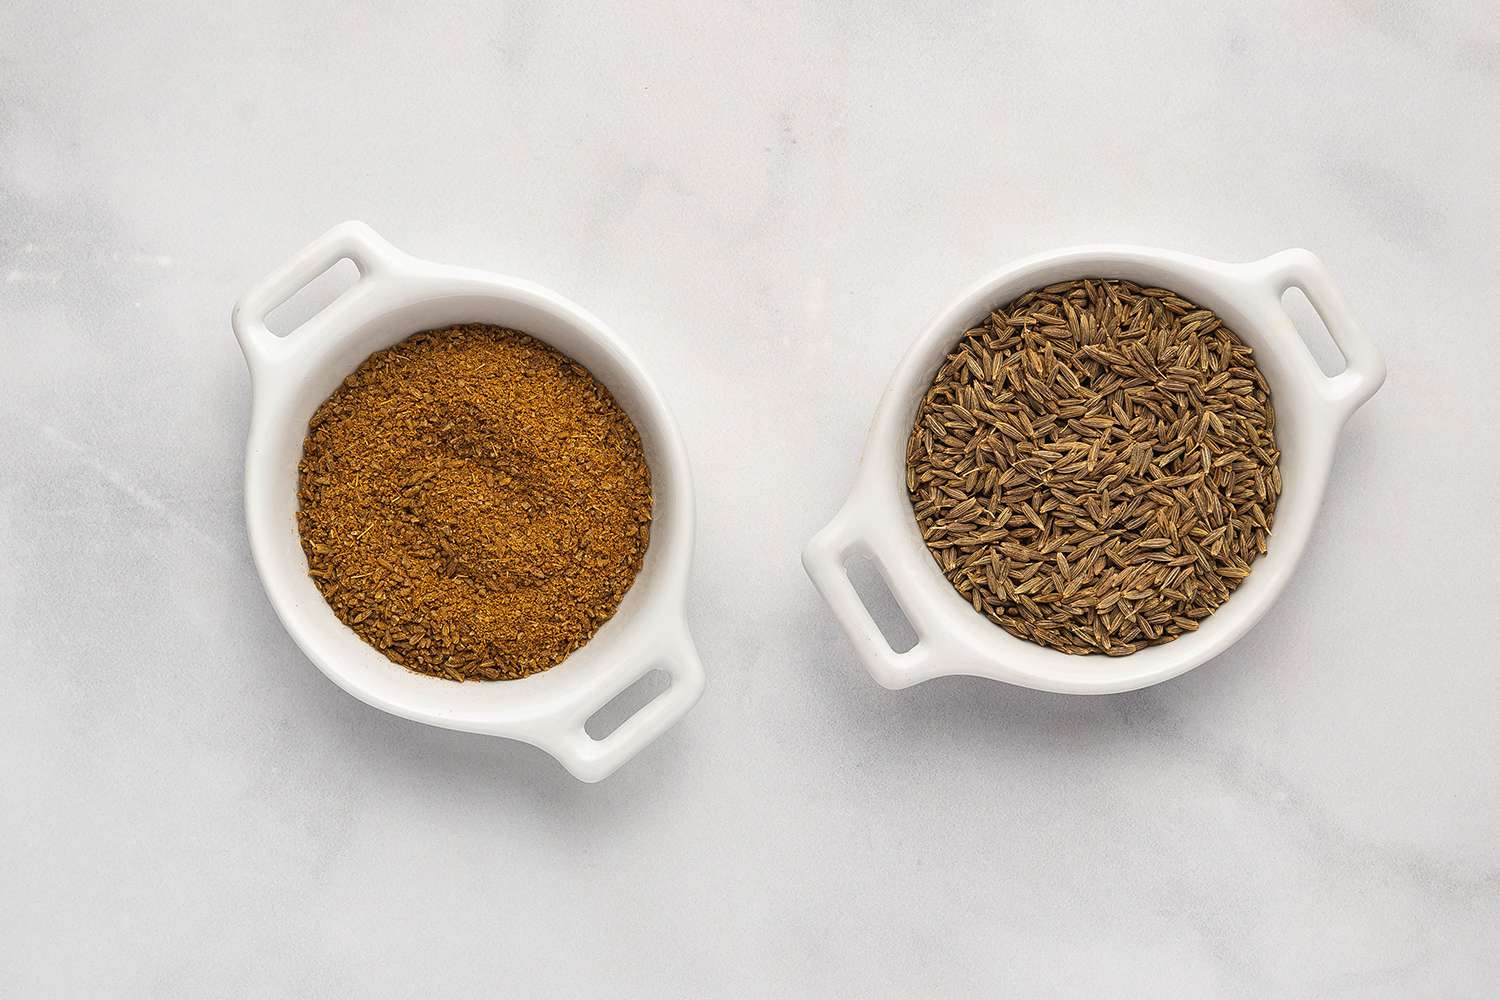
[[593, 760], [825, 558], [371, 254], [1365, 371]]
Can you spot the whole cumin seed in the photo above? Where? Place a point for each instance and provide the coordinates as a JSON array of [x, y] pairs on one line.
[[472, 503], [1094, 467]]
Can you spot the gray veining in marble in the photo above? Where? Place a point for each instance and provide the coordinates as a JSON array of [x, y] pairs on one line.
[[769, 200]]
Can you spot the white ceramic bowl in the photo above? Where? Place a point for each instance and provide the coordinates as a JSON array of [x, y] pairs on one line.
[[397, 295], [952, 638]]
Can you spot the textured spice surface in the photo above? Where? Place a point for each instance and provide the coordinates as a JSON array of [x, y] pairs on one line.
[[1095, 467], [473, 503]]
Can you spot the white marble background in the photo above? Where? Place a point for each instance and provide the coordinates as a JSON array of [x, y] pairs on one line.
[[769, 200]]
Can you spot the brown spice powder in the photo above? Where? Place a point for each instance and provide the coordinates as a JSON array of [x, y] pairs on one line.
[[473, 503], [1095, 466]]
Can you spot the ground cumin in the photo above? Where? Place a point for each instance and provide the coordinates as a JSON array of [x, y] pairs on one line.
[[472, 503]]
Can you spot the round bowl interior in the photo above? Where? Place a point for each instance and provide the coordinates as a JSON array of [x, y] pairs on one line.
[[282, 410], [970, 642]]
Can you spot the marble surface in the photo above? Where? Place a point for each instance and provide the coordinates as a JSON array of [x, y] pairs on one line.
[[768, 200]]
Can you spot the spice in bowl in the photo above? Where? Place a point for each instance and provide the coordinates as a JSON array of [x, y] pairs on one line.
[[1094, 467], [473, 504]]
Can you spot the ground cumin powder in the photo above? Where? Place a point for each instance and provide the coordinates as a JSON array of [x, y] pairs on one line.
[[472, 503]]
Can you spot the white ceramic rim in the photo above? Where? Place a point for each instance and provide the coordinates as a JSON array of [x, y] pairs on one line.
[[397, 295], [952, 638]]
